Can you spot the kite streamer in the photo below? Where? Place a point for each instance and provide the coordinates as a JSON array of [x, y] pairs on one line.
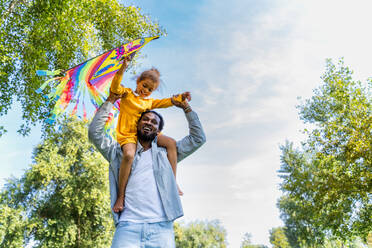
[[93, 76]]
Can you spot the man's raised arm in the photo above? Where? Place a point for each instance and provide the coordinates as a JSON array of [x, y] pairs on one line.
[[196, 137], [96, 131]]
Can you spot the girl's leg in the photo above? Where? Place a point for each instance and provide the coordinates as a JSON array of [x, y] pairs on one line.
[[125, 167], [171, 146]]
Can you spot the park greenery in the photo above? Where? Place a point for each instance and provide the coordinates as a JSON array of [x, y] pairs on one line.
[[327, 181], [278, 238], [200, 234], [46, 34], [62, 199], [247, 243]]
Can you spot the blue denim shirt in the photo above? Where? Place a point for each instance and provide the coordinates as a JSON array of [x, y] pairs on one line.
[[163, 173]]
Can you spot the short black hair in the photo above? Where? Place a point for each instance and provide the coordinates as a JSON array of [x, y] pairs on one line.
[[161, 124]]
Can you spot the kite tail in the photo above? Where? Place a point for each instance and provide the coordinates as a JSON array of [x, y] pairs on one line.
[[56, 91], [109, 125], [42, 87], [63, 95], [75, 108], [84, 112], [48, 73], [109, 122]]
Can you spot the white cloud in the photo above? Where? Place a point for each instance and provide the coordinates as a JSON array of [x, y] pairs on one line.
[[242, 196], [251, 68]]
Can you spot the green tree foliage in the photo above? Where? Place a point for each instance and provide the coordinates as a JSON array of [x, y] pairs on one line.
[[327, 183], [200, 234], [247, 243], [356, 243], [12, 225], [47, 34], [278, 238], [369, 240], [62, 200]]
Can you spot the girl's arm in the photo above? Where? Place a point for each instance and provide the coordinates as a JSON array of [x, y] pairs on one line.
[[167, 102], [115, 85]]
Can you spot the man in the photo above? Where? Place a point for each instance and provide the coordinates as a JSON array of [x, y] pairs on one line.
[[152, 201]]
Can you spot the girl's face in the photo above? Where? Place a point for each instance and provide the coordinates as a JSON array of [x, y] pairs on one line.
[[145, 87]]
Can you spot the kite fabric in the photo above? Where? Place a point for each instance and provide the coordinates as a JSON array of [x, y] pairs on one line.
[[93, 76]]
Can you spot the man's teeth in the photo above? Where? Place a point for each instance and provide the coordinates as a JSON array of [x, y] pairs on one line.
[[146, 129]]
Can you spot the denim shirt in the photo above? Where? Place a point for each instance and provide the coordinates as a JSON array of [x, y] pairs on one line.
[[163, 173]]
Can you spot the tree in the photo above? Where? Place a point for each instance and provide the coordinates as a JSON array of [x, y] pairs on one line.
[[278, 238], [12, 226], [247, 243], [327, 183], [200, 234], [62, 200], [41, 34], [356, 243]]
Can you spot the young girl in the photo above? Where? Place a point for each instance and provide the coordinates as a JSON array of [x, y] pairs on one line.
[[131, 107]]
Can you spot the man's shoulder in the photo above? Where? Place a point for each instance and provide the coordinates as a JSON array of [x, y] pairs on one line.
[[159, 149], [162, 149]]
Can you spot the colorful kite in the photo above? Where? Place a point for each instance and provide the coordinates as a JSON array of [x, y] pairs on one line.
[[93, 76]]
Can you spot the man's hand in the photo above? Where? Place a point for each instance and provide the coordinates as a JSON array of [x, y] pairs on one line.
[[114, 97], [186, 97]]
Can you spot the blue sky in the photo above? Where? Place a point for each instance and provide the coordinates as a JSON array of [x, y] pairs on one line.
[[245, 63]]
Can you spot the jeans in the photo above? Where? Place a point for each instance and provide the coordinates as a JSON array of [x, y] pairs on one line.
[[144, 235]]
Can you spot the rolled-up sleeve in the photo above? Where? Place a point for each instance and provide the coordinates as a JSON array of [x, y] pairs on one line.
[[194, 140], [96, 132]]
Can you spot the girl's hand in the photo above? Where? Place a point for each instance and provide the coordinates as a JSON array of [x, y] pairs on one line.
[[181, 97], [114, 97], [184, 104], [127, 60], [186, 95]]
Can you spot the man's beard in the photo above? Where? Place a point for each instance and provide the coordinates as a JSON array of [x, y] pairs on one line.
[[146, 137]]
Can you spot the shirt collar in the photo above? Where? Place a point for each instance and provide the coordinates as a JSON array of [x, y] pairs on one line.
[[136, 94], [140, 148]]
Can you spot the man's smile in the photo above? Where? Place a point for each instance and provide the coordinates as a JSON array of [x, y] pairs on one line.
[[147, 129]]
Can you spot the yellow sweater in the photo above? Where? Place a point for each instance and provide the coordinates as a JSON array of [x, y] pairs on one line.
[[131, 108]]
